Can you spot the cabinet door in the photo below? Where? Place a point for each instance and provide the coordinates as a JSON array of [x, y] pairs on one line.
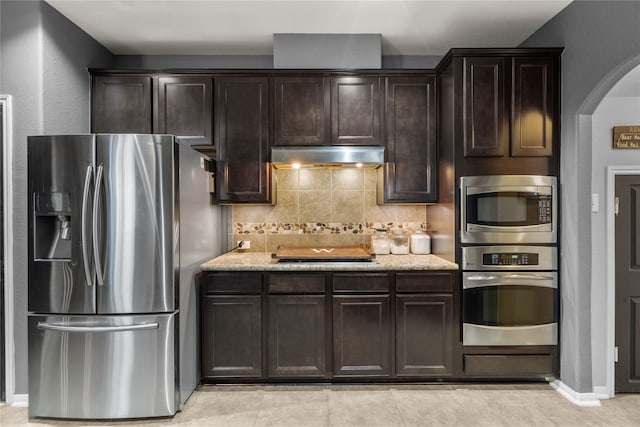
[[300, 110], [410, 111], [361, 344], [424, 335], [355, 111], [231, 336], [121, 104], [533, 99], [297, 336], [485, 121], [185, 109], [243, 173]]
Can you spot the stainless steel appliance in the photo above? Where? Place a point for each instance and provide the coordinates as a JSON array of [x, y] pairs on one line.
[[118, 226], [508, 209], [510, 295]]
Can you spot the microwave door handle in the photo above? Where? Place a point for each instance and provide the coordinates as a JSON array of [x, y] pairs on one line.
[[85, 202], [96, 201], [480, 189]]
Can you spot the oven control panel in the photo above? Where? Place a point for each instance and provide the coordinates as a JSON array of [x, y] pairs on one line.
[[509, 257], [513, 258]]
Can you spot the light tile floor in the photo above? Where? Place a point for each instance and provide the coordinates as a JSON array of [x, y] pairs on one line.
[[393, 405]]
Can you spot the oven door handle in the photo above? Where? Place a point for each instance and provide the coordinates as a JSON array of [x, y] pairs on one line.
[[527, 276], [484, 280]]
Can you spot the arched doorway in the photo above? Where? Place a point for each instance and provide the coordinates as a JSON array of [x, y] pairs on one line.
[[619, 104]]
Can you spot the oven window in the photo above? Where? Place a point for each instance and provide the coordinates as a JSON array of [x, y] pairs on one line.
[[508, 208], [511, 305]]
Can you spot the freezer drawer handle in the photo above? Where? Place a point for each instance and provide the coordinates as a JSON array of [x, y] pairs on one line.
[[96, 252], [63, 328], [85, 200]]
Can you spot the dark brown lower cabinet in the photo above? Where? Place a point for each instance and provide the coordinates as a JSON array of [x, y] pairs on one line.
[[297, 336], [424, 335], [361, 343], [232, 336]]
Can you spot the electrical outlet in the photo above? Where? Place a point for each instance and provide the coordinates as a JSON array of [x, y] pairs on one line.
[[244, 244]]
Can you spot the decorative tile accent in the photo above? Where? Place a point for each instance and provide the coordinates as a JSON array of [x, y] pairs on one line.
[[321, 206]]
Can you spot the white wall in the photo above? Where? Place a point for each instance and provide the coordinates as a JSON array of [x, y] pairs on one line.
[[616, 109]]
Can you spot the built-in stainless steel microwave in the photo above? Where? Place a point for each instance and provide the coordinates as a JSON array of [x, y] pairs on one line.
[[508, 209]]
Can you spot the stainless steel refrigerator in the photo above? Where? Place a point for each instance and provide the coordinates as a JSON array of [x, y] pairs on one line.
[[118, 226]]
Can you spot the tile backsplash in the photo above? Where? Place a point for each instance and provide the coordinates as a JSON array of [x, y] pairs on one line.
[[321, 207]]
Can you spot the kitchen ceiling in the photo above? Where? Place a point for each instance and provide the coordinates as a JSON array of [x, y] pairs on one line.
[[246, 27]]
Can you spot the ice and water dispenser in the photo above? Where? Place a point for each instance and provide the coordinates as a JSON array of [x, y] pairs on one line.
[[52, 230]]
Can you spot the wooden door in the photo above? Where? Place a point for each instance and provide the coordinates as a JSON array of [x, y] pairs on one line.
[[355, 111], [424, 335], [243, 171], [121, 104], [411, 168], [300, 111], [232, 336], [533, 98], [361, 336], [297, 336], [185, 105], [485, 120], [627, 300]]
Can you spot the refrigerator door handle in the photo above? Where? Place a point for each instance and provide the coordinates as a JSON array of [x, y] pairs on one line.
[[65, 328], [96, 201], [85, 202]]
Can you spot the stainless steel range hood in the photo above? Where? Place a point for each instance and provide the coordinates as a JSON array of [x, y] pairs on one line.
[[359, 156]]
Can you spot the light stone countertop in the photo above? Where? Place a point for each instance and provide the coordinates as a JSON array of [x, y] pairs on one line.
[[262, 261]]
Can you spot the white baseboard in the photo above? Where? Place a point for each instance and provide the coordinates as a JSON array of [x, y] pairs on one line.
[[579, 399], [20, 400], [601, 392]]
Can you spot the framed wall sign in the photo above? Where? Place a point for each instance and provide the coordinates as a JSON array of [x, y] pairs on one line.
[[626, 137]]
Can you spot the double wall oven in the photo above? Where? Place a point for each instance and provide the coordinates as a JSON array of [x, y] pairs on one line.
[[509, 260]]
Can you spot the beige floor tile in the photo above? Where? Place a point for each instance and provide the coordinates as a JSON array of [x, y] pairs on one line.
[[360, 408], [294, 408]]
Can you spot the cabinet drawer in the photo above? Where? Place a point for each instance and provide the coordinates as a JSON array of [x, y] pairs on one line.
[[424, 282], [362, 282], [296, 283], [237, 283], [508, 365]]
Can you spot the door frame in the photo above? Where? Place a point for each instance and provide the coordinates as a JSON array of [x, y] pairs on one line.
[[612, 173], [7, 147]]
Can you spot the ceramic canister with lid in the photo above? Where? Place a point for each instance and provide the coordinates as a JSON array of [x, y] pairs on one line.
[[420, 243]]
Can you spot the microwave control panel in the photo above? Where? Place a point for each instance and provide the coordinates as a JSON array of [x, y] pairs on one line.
[[544, 209], [513, 258]]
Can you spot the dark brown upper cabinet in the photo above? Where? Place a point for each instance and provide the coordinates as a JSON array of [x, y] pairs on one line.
[[185, 106], [355, 110], [301, 110], [243, 171], [532, 106], [410, 136], [121, 104], [485, 120], [509, 106]]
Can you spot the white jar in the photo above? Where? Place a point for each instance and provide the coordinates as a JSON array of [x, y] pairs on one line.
[[380, 242], [400, 242], [420, 243]]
